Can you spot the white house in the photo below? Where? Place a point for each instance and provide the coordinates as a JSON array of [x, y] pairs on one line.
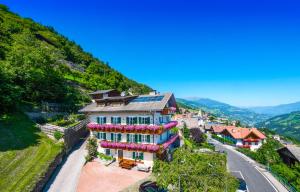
[[133, 129]]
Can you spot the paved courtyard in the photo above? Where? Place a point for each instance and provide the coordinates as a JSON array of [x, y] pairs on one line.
[[96, 177]]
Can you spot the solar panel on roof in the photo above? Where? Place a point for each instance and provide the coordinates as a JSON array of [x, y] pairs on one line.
[[148, 99]]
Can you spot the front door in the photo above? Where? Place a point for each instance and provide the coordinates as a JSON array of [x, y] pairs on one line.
[[120, 155]]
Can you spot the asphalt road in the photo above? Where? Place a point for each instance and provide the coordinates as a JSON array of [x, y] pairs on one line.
[[67, 175], [241, 168]]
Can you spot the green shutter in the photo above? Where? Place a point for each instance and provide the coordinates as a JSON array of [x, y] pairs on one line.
[[98, 120], [127, 138], [104, 120], [104, 136], [140, 138], [111, 120], [119, 120], [112, 136], [148, 138], [119, 137], [136, 138], [141, 156], [133, 155], [140, 120]]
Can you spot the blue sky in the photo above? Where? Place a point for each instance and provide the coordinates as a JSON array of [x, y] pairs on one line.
[[245, 53]]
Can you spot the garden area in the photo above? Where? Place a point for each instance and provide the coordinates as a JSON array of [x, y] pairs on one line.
[[268, 156], [66, 121], [25, 153], [190, 171], [193, 171]]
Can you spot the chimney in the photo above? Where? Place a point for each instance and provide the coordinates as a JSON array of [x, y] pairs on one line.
[[154, 92]]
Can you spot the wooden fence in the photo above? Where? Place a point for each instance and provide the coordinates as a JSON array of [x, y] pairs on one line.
[[71, 135]]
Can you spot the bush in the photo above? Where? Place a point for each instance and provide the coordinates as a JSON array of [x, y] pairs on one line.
[[91, 148], [105, 157], [57, 135]]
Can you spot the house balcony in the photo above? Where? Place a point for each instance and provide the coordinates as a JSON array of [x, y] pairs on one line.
[[251, 140], [144, 129], [152, 148], [168, 110]]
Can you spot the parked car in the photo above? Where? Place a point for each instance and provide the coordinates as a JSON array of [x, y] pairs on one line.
[[150, 186], [242, 186]]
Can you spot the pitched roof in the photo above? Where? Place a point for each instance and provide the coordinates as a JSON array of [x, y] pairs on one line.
[[101, 91], [140, 103], [242, 133], [295, 150], [218, 128]]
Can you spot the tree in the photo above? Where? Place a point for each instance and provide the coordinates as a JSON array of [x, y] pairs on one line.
[[186, 131]]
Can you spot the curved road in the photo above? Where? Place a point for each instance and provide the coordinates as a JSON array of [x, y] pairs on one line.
[[242, 168]]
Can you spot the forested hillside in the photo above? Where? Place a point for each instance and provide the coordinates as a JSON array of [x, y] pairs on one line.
[[38, 64], [287, 124]]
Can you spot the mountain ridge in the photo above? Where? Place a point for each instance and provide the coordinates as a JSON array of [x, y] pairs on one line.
[[277, 109], [225, 110]]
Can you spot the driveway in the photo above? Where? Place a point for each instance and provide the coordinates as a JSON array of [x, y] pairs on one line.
[[66, 177], [96, 177], [249, 171]]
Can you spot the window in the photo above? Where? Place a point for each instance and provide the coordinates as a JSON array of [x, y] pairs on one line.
[[144, 120], [145, 138], [102, 136], [131, 120], [161, 120], [101, 120], [116, 137], [107, 151], [138, 155], [115, 120]]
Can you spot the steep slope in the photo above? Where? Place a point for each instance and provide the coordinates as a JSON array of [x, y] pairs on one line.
[[287, 124], [224, 110], [277, 110], [38, 64]]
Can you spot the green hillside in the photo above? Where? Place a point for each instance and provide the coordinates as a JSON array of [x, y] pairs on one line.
[[25, 153], [287, 124], [38, 64]]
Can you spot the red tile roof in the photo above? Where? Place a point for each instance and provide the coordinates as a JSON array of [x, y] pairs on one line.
[[240, 132]]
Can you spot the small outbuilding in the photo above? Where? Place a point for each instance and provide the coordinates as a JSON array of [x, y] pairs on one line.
[[290, 154]]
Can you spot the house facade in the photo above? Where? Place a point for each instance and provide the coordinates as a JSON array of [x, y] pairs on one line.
[[134, 129], [250, 138]]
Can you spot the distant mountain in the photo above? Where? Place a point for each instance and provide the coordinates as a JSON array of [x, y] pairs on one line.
[[287, 124], [277, 110], [220, 109]]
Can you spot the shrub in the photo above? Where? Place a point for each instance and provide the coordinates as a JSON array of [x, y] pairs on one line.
[[57, 135], [91, 148]]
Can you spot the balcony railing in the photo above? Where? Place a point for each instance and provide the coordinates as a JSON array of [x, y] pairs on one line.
[[251, 140], [153, 148], [146, 129]]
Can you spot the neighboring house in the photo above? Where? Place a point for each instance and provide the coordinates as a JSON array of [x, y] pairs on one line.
[[290, 154], [276, 137], [133, 128], [242, 137]]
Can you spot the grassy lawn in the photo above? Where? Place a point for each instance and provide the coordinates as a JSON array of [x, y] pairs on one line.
[[25, 153]]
